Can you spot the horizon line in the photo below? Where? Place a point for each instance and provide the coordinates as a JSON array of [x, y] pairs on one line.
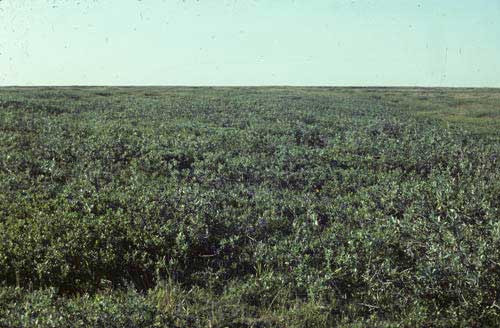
[[243, 86]]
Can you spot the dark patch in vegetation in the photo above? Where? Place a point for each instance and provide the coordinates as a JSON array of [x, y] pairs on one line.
[[104, 94], [14, 104]]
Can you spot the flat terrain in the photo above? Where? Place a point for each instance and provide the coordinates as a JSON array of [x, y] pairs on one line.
[[249, 207]]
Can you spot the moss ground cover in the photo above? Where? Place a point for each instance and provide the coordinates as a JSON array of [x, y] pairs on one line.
[[249, 207]]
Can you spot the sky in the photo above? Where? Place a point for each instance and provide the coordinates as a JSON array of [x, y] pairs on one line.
[[250, 42]]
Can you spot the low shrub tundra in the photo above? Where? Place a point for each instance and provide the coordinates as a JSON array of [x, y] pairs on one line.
[[248, 207]]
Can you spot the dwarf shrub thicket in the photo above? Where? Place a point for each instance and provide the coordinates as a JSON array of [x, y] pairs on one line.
[[243, 207]]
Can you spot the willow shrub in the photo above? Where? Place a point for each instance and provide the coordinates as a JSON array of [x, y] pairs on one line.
[[260, 207]]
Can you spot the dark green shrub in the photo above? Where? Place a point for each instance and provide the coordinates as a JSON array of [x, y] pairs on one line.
[[243, 207]]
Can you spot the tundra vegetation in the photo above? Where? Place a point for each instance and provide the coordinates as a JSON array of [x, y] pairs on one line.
[[249, 207]]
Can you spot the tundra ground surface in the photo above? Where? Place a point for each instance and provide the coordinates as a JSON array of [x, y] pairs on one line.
[[249, 207]]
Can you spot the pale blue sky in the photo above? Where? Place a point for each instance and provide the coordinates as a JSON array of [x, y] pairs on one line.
[[253, 42]]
